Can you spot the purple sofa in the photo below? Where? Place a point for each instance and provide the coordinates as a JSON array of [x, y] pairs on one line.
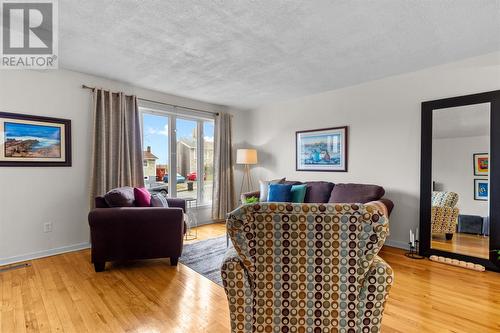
[[128, 233], [327, 192]]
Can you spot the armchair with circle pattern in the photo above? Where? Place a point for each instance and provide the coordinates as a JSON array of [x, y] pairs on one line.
[[444, 214], [306, 268]]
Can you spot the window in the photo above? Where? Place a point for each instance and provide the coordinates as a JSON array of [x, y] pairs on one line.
[[155, 152], [178, 153], [187, 158]]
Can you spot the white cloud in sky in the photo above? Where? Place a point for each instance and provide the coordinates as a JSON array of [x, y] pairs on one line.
[[164, 131]]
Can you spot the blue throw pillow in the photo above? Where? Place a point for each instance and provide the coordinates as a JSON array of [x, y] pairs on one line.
[[279, 193], [298, 193]]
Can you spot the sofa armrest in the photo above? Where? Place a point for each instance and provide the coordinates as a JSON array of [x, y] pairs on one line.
[[248, 195], [129, 216], [384, 206], [373, 295], [177, 203], [388, 204], [239, 292]]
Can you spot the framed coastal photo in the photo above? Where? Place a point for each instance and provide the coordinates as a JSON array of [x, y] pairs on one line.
[[481, 164], [34, 141], [481, 189], [322, 149]]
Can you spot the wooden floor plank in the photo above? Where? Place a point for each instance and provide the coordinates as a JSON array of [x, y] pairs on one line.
[[471, 245], [63, 294]]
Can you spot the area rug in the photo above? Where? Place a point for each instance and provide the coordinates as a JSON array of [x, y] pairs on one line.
[[205, 257]]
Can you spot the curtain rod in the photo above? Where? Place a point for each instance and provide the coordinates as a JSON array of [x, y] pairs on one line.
[[149, 100]]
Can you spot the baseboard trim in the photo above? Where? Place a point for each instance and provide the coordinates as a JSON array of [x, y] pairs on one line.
[[44, 253], [86, 245], [398, 244]]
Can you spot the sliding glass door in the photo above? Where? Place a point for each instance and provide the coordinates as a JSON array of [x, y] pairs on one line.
[[187, 158], [178, 155], [156, 152]]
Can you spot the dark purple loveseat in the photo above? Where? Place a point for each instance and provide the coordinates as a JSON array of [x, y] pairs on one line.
[[128, 233], [327, 192]]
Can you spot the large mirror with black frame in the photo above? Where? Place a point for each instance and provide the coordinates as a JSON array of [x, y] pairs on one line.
[[460, 192]]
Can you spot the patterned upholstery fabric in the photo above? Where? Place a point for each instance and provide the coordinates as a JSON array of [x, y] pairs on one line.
[[444, 199], [444, 214], [306, 268]]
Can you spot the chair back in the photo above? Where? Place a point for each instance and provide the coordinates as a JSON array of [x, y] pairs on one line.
[[307, 262], [444, 199]]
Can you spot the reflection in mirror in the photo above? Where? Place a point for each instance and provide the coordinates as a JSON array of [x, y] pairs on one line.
[[460, 207]]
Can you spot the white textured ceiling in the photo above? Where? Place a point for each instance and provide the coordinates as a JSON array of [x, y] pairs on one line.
[[249, 53]]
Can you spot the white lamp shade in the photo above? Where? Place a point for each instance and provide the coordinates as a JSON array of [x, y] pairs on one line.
[[246, 156]]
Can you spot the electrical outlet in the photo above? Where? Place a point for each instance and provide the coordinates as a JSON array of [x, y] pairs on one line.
[[47, 227]]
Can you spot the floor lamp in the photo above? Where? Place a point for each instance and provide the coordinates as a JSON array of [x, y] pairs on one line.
[[246, 157]]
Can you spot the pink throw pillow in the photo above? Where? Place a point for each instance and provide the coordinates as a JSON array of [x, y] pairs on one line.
[[142, 197]]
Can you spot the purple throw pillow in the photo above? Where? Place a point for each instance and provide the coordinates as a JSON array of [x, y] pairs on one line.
[[142, 197], [120, 197], [318, 192]]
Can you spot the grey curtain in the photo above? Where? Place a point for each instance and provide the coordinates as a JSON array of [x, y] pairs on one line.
[[117, 143], [223, 191]]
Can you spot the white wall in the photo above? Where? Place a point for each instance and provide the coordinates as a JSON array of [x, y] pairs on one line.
[[242, 138], [452, 170], [384, 130], [30, 197]]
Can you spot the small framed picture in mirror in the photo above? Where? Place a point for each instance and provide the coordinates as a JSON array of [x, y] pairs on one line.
[[481, 189], [481, 164]]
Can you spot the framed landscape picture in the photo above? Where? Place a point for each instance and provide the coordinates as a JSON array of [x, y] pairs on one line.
[[481, 189], [34, 141], [481, 164], [322, 149]]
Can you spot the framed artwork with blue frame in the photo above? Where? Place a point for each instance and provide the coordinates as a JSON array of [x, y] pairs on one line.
[[481, 190], [27, 140], [322, 149]]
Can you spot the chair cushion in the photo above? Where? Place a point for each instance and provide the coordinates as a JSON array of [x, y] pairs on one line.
[[264, 187], [356, 193], [142, 197], [120, 197], [159, 200], [298, 193], [318, 192], [279, 193]]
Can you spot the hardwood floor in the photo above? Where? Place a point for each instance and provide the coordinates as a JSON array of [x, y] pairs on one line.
[[472, 245], [63, 294], [208, 231], [434, 297]]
